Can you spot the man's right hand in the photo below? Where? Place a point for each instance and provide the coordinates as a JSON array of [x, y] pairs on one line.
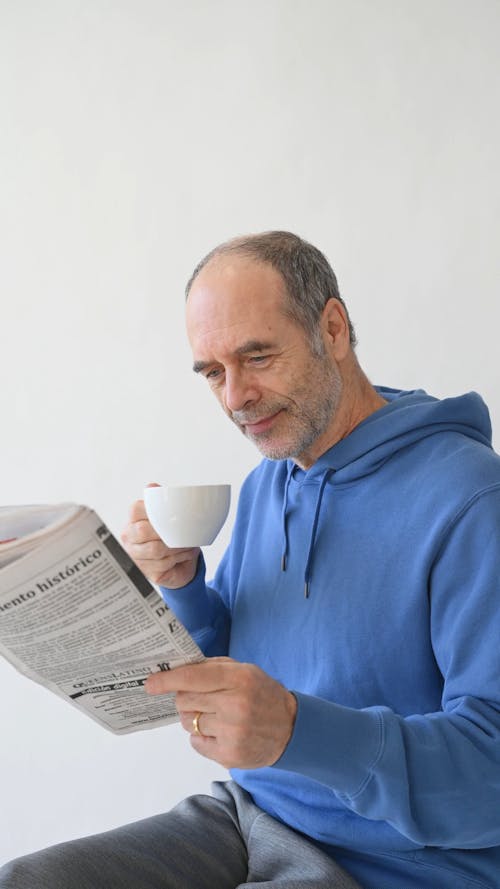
[[162, 565]]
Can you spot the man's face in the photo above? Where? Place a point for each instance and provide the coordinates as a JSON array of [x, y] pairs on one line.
[[258, 362]]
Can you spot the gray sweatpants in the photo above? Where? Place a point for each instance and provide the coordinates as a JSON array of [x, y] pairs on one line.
[[222, 841]]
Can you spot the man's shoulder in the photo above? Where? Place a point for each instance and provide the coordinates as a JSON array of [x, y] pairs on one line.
[[451, 458]]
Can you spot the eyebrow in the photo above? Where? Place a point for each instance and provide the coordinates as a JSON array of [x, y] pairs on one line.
[[244, 349]]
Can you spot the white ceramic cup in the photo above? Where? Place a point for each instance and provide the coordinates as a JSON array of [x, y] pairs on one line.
[[191, 515]]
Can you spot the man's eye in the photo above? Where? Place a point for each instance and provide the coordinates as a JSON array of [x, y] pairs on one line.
[[213, 374], [258, 359]]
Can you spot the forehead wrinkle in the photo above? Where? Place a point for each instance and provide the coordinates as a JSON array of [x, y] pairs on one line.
[[254, 346], [246, 348]]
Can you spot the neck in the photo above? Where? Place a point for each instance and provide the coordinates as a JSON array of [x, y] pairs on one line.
[[361, 401], [358, 400]]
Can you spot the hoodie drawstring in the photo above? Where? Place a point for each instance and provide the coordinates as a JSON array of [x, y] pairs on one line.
[[307, 573], [284, 553]]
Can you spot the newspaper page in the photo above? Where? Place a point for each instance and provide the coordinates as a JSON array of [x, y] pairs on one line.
[[78, 617]]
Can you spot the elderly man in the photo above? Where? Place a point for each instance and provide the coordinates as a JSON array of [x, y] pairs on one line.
[[352, 626]]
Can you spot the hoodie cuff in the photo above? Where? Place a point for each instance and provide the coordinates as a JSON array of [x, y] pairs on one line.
[[337, 746], [191, 603]]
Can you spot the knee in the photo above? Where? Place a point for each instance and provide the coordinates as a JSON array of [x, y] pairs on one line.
[[37, 870], [18, 874]]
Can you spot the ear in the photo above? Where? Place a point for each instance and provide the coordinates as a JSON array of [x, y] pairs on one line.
[[336, 329]]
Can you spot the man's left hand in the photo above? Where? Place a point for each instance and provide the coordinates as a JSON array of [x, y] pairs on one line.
[[244, 717]]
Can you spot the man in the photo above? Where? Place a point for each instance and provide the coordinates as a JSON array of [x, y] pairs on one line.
[[352, 627]]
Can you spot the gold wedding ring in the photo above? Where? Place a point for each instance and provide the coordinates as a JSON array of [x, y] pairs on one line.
[[196, 727]]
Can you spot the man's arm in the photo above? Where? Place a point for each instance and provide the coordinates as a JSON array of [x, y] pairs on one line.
[[180, 574]]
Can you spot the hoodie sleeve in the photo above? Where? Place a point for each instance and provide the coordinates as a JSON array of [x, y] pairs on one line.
[[202, 611], [205, 609], [435, 777]]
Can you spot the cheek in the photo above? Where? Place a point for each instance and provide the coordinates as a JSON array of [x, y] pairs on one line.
[[279, 382]]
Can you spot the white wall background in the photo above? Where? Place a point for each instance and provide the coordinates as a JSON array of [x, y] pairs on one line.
[[134, 136]]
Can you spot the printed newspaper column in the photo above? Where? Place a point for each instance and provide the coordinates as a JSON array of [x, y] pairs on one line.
[[79, 617]]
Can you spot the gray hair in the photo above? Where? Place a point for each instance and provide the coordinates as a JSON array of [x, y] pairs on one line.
[[309, 278]]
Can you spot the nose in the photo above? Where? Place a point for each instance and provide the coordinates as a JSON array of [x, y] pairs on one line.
[[239, 391]]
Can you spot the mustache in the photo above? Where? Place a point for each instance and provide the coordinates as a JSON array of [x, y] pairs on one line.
[[243, 417]]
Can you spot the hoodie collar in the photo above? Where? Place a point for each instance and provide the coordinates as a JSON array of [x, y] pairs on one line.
[[406, 418]]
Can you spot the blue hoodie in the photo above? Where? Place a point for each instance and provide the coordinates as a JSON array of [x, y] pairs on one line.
[[369, 585]]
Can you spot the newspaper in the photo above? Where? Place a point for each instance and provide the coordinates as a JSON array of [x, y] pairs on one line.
[[78, 617]]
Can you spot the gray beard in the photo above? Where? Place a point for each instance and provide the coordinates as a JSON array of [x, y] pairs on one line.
[[309, 416]]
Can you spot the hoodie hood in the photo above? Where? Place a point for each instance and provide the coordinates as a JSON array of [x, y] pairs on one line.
[[406, 418]]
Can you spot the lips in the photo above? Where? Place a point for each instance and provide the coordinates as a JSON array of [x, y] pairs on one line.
[[258, 426]]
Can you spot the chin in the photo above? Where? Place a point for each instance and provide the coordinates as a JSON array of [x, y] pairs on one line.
[[274, 452]]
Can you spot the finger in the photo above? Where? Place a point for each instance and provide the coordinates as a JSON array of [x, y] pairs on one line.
[[141, 531], [151, 549], [156, 551], [165, 572], [137, 511], [194, 702], [210, 675], [138, 508], [206, 746], [206, 723]]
